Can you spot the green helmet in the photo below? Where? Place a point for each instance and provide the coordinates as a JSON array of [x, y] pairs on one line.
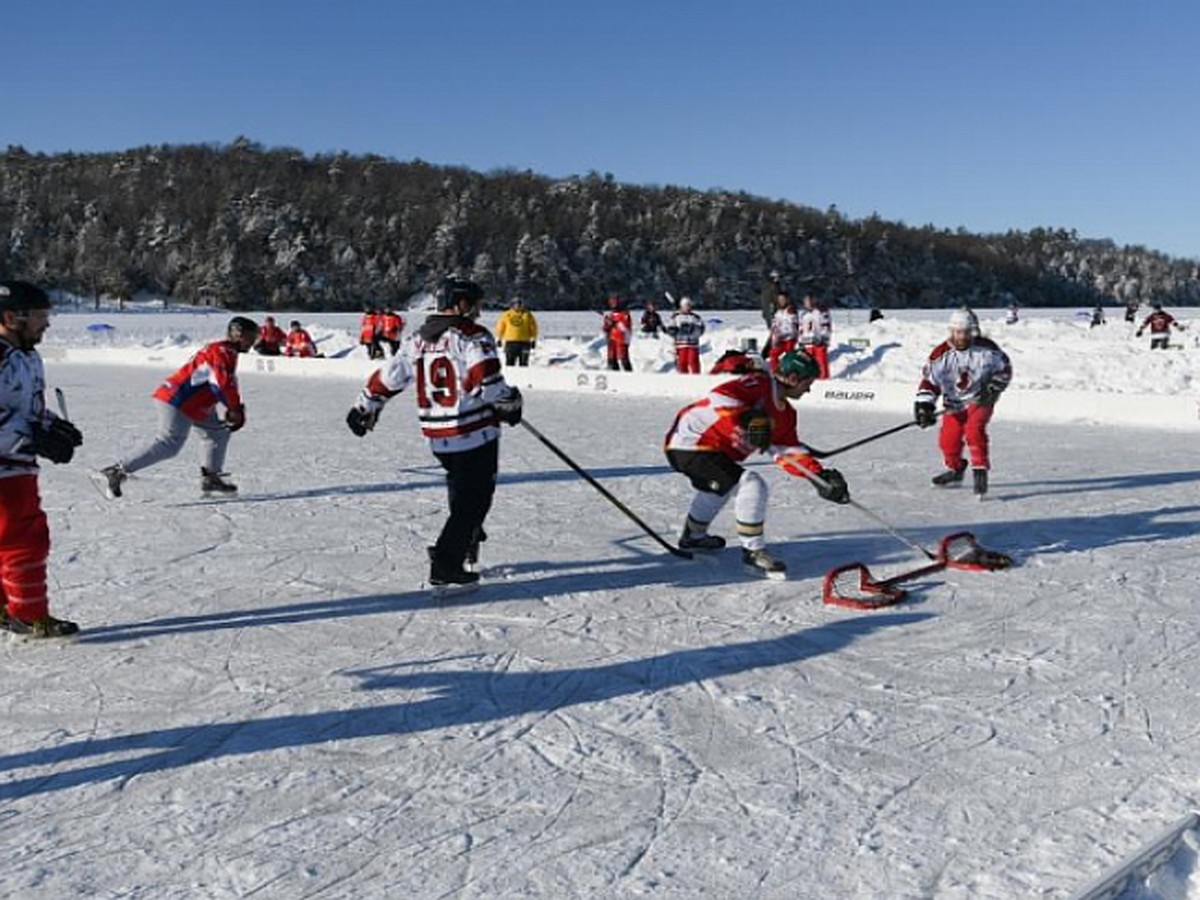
[[799, 363]]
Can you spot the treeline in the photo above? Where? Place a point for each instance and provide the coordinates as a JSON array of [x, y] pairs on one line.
[[245, 226]]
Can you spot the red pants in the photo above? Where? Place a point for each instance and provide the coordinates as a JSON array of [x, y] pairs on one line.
[[24, 546], [687, 360], [970, 426], [820, 353], [777, 350]]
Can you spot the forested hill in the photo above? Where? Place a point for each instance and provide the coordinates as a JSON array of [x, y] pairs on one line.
[[246, 226]]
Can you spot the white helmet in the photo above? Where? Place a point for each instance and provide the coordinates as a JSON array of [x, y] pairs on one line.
[[964, 320], [685, 304]]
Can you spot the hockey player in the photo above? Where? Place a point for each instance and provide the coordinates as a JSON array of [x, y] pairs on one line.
[[517, 332], [816, 331], [970, 373], [391, 328], [618, 328], [785, 329], [1160, 324], [710, 438], [462, 399], [368, 333], [686, 329], [271, 338], [300, 342], [652, 322], [187, 400], [27, 430]]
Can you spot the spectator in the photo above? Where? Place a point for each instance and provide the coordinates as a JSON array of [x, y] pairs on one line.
[[368, 333], [270, 338], [517, 333], [300, 342], [391, 327], [618, 328], [652, 322]]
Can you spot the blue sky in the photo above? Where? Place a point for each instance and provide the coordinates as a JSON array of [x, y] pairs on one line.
[[988, 115]]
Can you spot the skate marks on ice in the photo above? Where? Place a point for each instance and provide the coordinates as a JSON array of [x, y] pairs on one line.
[[443, 699]]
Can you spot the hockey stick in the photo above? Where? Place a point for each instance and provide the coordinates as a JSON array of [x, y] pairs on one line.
[[866, 511], [604, 492], [825, 454]]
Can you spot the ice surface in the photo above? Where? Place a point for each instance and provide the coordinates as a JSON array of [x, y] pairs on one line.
[[265, 703]]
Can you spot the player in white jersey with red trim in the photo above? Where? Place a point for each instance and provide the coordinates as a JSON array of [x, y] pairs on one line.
[[28, 430], [785, 328], [710, 438], [816, 332], [462, 398], [970, 373], [686, 329]]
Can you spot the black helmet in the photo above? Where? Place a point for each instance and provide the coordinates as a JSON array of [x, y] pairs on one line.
[[19, 296], [240, 325], [457, 290]]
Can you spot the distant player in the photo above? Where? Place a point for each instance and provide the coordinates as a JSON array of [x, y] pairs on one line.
[[368, 332], [618, 329], [391, 329], [686, 328], [651, 323], [517, 332], [187, 401], [785, 329], [299, 342], [27, 430], [462, 398], [271, 338], [1160, 324], [970, 373], [710, 438], [816, 332]]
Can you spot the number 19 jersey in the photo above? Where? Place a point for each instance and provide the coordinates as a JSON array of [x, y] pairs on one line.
[[454, 365]]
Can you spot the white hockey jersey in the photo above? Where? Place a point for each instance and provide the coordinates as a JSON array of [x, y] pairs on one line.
[[22, 403], [686, 328], [785, 326], [816, 326], [959, 375], [454, 364]]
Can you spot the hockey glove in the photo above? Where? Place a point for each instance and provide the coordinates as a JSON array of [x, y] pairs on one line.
[[924, 413], [835, 489], [508, 407], [235, 418], [1139, 333], [360, 421], [756, 428], [56, 441], [989, 394]]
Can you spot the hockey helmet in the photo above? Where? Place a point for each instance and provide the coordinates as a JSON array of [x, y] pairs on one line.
[[797, 363], [685, 304], [963, 320], [454, 291], [19, 296]]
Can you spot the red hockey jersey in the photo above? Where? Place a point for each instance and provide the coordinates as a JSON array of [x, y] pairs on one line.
[[208, 378], [714, 423]]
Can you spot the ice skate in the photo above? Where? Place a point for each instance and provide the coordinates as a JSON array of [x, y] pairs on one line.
[[703, 542], [761, 562], [45, 627], [214, 483], [949, 478], [446, 580], [980, 484], [109, 480]]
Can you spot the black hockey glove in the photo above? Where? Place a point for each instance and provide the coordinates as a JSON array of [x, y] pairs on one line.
[[235, 418], [757, 428], [924, 413], [360, 421], [835, 489], [508, 407], [56, 441], [989, 394]]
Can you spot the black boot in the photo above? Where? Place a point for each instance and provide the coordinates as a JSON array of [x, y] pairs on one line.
[[445, 575], [214, 482], [981, 481], [949, 477]]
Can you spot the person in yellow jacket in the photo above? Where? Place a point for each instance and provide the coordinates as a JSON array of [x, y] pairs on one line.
[[517, 333]]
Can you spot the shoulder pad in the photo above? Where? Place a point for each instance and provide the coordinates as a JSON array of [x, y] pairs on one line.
[[939, 351]]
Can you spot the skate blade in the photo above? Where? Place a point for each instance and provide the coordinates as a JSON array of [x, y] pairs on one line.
[[21, 636], [453, 590], [770, 576]]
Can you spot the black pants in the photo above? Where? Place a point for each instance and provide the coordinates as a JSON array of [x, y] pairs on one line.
[[1160, 343], [713, 473], [471, 480], [516, 353]]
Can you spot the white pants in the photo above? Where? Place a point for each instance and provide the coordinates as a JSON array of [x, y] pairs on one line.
[[750, 507]]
